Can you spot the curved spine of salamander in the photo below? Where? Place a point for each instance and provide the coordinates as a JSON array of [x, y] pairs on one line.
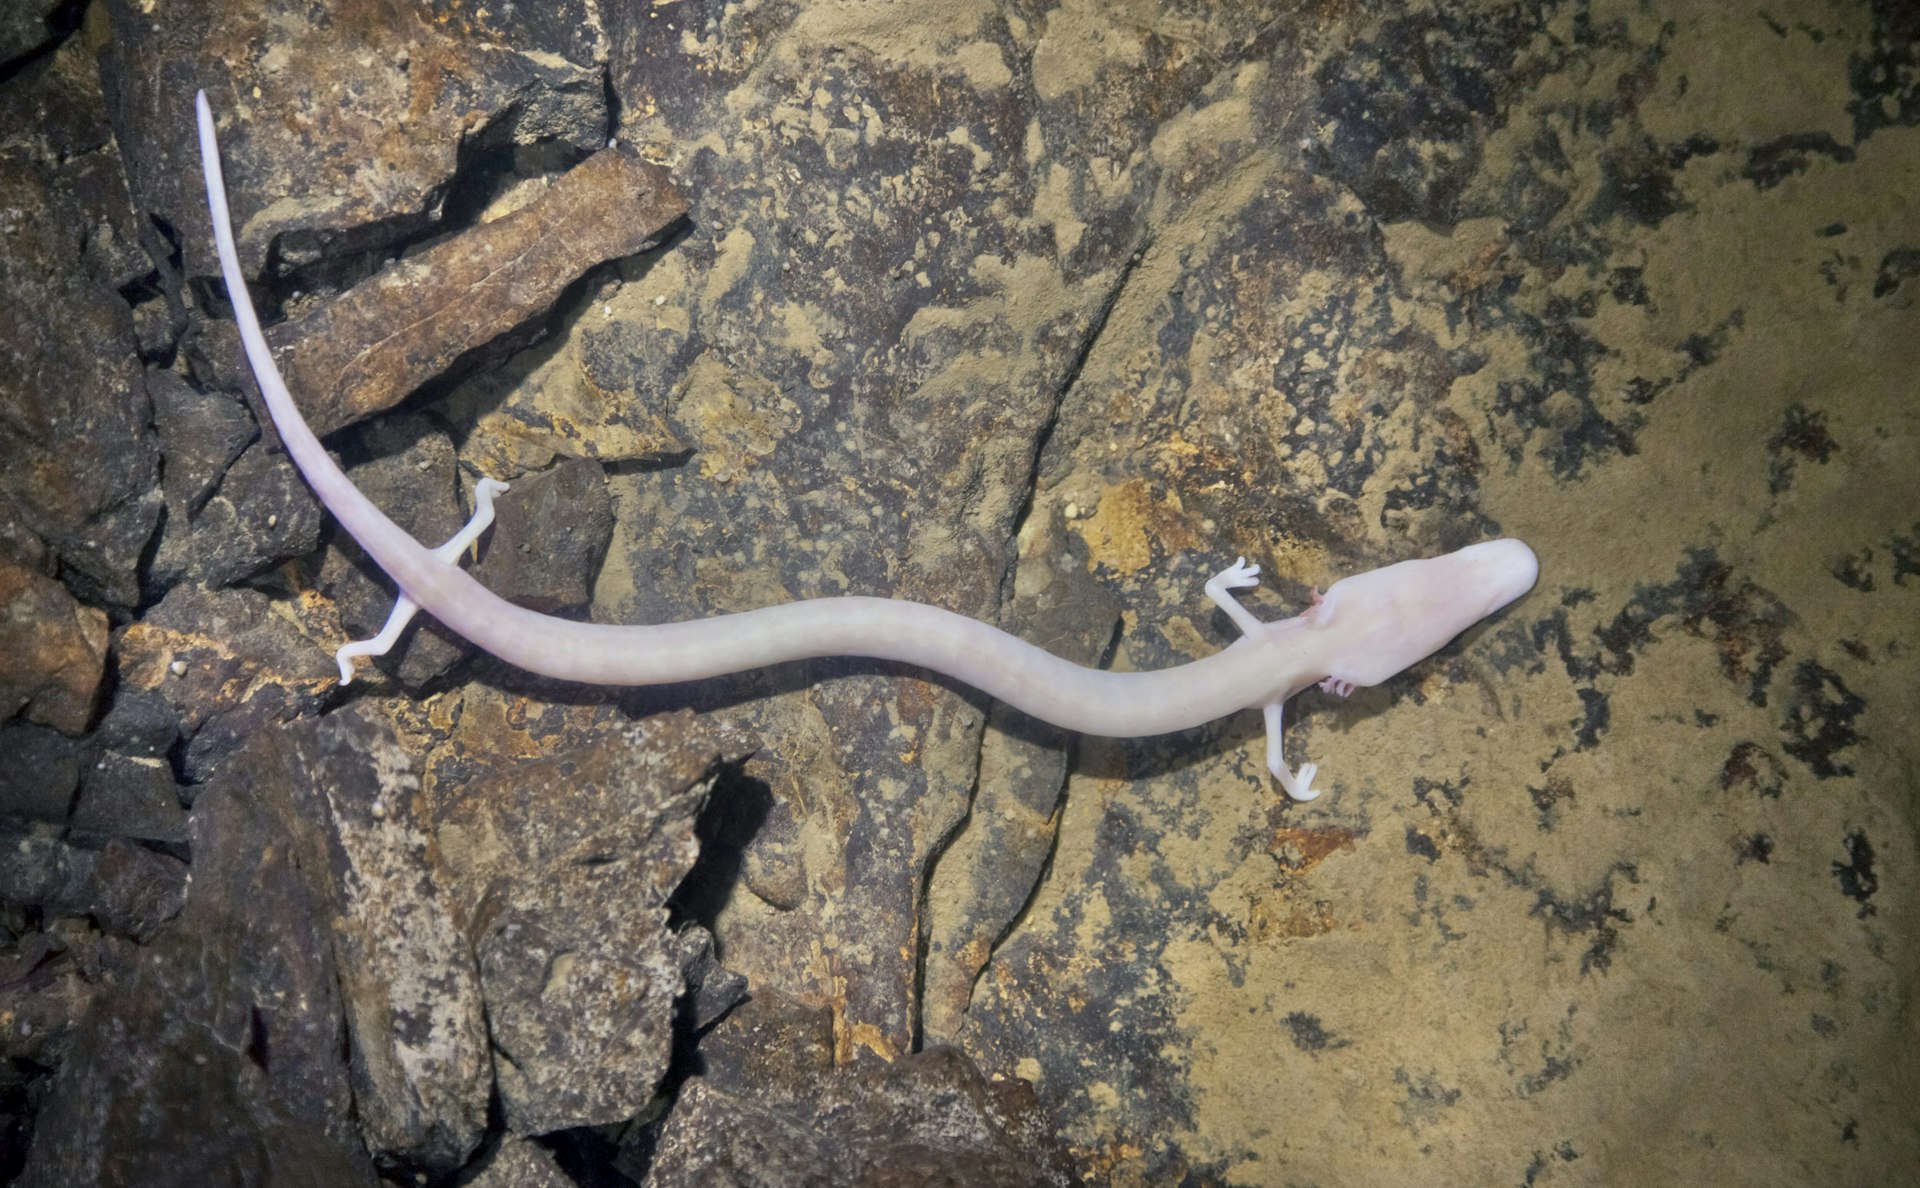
[[999, 664]]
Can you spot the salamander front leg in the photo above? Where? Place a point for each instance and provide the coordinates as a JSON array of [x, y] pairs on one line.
[[1301, 787], [404, 608], [1238, 576]]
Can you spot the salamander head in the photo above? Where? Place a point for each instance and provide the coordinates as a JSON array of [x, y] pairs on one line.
[[1382, 622]]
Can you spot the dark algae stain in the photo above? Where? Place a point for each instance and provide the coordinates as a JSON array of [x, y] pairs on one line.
[[1756, 847], [1309, 1035], [1775, 161], [1745, 622], [1752, 768], [1897, 267], [1801, 436], [1819, 719], [1593, 916], [1885, 78], [1855, 875]]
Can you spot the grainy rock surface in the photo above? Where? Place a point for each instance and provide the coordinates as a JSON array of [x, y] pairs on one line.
[[53, 651], [565, 866], [1043, 314], [348, 795], [772, 1110]]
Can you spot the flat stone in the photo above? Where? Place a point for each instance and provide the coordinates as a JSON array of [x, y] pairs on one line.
[[261, 514], [201, 433], [367, 349], [550, 534], [134, 798]]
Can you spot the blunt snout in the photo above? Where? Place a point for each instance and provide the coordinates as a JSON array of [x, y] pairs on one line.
[[1503, 570]]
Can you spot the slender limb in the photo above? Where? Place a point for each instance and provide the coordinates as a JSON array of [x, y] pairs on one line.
[[483, 493], [1238, 576], [404, 608], [1301, 787]]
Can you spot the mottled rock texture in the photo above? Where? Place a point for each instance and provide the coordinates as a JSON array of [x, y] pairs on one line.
[[1042, 313], [564, 867]]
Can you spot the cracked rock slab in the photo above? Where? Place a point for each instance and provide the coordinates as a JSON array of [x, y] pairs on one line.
[[343, 125]]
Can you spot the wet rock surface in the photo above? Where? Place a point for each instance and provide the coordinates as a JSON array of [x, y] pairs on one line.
[[1042, 315]]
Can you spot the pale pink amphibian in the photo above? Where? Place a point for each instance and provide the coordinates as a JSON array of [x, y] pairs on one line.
[[1366, 628]]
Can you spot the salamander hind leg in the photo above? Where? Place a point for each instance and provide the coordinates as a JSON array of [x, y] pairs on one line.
[[1300, 786], [404, 608]]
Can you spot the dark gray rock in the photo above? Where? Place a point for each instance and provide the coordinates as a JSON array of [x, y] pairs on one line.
[[127, 797], [39, 773], [231, 1015], [53, 120], [712, 989], [413, 477], [126, 889], [260, 514], [28, 26], [135, 890], [201, 433], [44, 872], [138, 723], [44, 995], [565, 866], [77, 458], [550, 534]]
